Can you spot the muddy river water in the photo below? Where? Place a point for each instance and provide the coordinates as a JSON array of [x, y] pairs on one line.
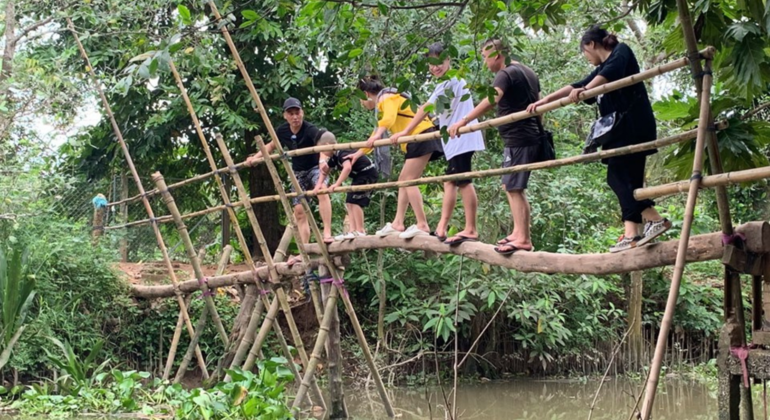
[[542, 400]]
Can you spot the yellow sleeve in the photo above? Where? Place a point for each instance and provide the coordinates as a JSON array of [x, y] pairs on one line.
[[388, 112]]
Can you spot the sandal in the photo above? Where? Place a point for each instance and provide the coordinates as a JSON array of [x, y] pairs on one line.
[[504, 241], [458, 239], [509, 249], [440, 237]]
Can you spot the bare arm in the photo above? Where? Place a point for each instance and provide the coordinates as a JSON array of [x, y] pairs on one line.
[[482, 108], [347, 167], [251, 160], [418, 117]]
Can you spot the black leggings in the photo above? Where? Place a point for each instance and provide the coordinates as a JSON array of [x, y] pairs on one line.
[[624, 175]]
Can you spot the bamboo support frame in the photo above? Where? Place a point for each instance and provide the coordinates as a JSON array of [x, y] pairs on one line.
[[187, 242], [279, 292], [310, 369], [673, 295], [178, 334], [234, 220], [495, 122], [723, 179], [202, 320], [139, 186], [550, 164]]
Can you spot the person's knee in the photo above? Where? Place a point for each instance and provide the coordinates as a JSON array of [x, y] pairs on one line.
[[299, 213]]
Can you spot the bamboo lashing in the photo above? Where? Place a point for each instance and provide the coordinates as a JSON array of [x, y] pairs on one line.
[[139, 186], [226, 251], [550, 164], [711, 181], [231, 213], [331, 304], [681, 256], [495, 122], [279, 292]]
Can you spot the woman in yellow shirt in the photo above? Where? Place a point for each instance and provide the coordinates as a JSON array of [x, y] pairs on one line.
[[394, 117]]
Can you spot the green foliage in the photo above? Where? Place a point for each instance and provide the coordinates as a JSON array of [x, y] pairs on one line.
[[78, 373], [16, 297]]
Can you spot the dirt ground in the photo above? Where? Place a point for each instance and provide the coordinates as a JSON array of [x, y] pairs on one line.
[[150, 273]]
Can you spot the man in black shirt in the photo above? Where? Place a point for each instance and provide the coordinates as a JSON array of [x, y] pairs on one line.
[[516, 86], [296, 133]]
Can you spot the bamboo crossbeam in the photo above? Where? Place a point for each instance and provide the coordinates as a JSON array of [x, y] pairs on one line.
[[681, 256], [491, 123], [550, 164], [139, 186], [728, 178], [263, 302]]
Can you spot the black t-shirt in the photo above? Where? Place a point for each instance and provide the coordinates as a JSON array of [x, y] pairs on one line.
[[306, 137], [638, 122], [362, 167], [520, 87]]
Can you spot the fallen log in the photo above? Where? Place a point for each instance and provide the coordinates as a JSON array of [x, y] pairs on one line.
[[701, 248]]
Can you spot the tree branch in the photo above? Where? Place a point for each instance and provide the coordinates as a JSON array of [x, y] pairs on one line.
[[354, 3], [755, 111]]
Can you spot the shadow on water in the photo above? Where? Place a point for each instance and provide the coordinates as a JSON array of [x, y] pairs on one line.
[[542, 400]]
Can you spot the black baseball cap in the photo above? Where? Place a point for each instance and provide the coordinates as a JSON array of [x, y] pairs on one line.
[[292, 103]]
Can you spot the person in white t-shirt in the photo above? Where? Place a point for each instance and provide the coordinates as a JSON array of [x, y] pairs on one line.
[[458, 151]]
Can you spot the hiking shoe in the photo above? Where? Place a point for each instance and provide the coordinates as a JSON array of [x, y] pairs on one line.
[[624, 243], [654, 229], [412, 232], [387, 231]]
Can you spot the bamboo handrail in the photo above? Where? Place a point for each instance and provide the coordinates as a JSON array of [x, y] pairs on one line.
[[590, 157], [140, 187], [263, 301], [727, 178], [681, 256], [507, 119]]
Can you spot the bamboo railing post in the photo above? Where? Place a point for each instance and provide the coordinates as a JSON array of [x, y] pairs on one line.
[[681, 257], [279, 292], [231, 212], [199, 327], [138, 181], [187, 242], [726, 178]]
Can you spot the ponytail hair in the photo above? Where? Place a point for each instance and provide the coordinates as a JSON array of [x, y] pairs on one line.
[[371, 84], [600, 37]]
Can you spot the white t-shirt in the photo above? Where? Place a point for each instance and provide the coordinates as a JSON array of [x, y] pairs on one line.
[[468, 142]]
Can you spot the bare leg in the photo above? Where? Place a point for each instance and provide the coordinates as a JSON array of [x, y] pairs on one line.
[[520, 210], [356, 218], [413, 169], [302, 224], [470, 205], [402, 205], [651, 215], [447, 207], [325, 208], [631, 229]]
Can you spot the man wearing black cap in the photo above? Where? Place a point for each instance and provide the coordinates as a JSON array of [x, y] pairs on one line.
[[299, 134]]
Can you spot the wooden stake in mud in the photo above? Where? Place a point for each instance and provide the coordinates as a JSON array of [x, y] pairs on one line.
[[201, 321], [681, 256], [138, 182], [187, 242], [100, 209], [318, 348], [234, 220], [279, 293]]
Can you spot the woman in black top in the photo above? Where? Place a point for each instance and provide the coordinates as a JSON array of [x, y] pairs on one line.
[[614, 61]]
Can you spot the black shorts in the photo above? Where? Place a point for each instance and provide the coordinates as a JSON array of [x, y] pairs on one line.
[[362, 198], [432, 147], [460, 164], [513, 156]]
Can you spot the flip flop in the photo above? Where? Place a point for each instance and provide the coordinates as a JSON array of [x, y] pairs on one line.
[[504, 241], [510, 249], [328, 240], [460, 239], [440, 238]]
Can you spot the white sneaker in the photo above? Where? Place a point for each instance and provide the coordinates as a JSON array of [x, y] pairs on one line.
[[387, 231], [412, 232], [345, 236], [359, 234]]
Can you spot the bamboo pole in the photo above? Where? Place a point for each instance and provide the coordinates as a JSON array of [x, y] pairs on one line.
[[495, 122], [100, 209], [234, 219], [728, 178], [279, 292], [187, 242], [178, 334], [138, 181], [681, 256], [556, 163], [310, 369], [199, 327]]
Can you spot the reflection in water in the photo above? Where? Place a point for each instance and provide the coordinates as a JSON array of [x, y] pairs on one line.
[[541, 400]]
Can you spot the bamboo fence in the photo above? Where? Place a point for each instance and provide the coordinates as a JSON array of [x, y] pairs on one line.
[[728, 178]]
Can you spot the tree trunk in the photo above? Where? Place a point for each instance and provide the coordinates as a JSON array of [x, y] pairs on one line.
[[261, 184], [10, 47], [635, 340], [124, 216]]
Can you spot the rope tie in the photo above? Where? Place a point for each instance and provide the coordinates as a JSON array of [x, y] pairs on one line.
[[229, 205], [153, 220], [265, 292], [339, 283], [696, 176], [207, 293], [233, 169], [731, 239]]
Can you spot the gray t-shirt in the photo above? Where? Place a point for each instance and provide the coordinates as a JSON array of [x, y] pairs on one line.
[[520, 87]]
